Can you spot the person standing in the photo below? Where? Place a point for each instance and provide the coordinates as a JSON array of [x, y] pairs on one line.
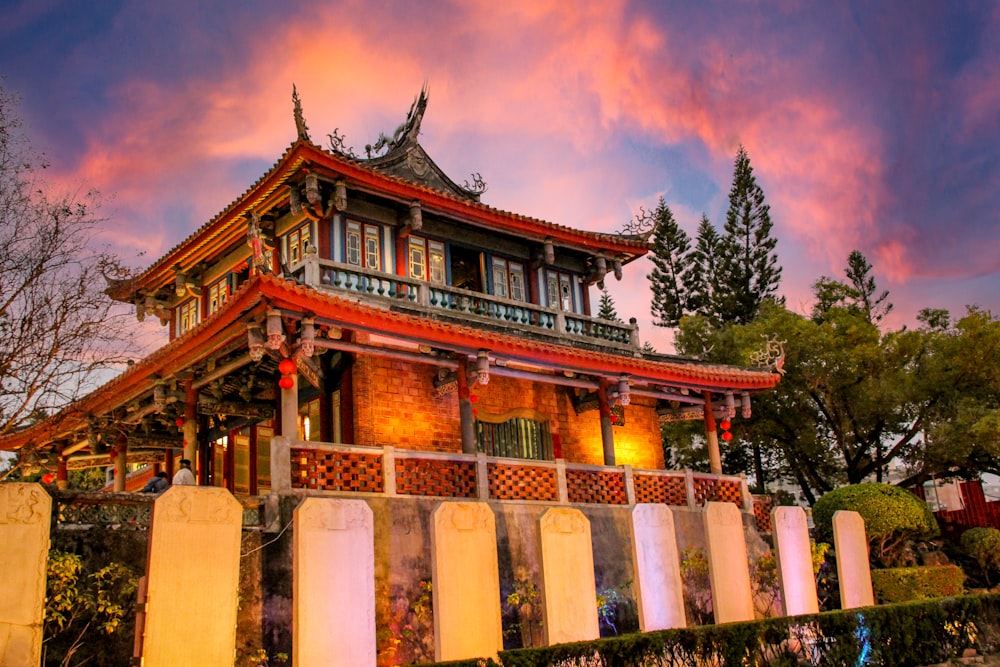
[[184, 476]]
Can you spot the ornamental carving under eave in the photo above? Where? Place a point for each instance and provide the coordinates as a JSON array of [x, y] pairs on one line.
[[771, 355]]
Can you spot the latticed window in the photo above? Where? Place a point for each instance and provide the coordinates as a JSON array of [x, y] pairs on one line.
[[517, 437]]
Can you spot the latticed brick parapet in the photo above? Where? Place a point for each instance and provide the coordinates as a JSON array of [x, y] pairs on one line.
[[517, 482], [762, 506], [711, 489], [397, 472], [337, 471], [592, 486], [666, 489], [446, 479]]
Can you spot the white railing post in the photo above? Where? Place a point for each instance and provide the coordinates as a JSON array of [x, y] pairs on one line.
[[281, 465], [389, 470], [689, 487], [633, 334], [561, 481], [482, 477], [629, 484], [745, 490], [423, 295]]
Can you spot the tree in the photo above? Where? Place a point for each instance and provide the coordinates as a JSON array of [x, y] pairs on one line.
[[858, 294], [58, 330], [704, 282], [607, 308], [671, 267], [748, 265]]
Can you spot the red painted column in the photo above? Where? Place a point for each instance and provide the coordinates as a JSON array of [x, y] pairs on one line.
[[607, 434]]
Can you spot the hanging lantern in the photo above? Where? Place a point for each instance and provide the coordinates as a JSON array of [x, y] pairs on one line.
[[286, 382], [179, 422], [48, 478], [286, 367], [725, 424], [727, 436]]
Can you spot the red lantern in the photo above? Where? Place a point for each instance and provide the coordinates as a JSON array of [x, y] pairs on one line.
[[180, 422], [286, 367], [286, 382], [724, 424], [727, 436], [48, 478]]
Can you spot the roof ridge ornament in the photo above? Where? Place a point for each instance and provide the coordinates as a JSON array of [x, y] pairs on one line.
[[300, 121], [408, 131]]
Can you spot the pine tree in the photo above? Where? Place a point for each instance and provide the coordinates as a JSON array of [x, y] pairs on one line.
[[859, 273], [704, 280], [672, 268], [748, 265], [607, 308]]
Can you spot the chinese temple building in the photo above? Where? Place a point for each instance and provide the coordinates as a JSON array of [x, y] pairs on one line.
[[373, 301], [366, 332]]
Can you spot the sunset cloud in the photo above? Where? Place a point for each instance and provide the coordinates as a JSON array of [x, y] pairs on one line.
[[865, 131]]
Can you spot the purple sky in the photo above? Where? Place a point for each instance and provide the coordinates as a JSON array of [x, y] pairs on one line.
[[870, 125]]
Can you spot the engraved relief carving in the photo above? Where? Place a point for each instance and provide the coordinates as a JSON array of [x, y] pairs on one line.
[[199, 505], [22, 503], [467, 516], [334, 514], [564, 521]]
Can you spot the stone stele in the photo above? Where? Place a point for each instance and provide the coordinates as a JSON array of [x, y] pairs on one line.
[[728, 567], [466, 582], [853, 568], [657, 568], [334, 584], [568, 577], [193, 578], [794, 552], [25, 517]]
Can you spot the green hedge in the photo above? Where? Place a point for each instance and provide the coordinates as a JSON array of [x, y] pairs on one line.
[[898, 635], [902, 584]]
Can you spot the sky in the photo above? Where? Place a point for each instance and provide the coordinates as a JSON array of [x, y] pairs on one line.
[[872, 126]]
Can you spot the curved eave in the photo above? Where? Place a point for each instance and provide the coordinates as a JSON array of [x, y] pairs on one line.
[[354, 315], [228, 227], [199, 343], [217, 331]]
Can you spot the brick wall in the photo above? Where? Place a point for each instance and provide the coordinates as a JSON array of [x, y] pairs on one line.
[[395, 404]]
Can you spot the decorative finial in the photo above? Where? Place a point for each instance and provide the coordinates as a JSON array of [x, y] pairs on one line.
[[300, 121]]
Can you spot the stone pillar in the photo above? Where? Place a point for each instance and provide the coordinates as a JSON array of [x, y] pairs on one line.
[[190, 428], [281, 465], [290, 409], [193, 575], [25, 517], [728, 566], [466, 578], [853, 567], [794, 555], [334, 583], [465, 416], [712, 437], [568, 577], [657, 568], [607, 433]]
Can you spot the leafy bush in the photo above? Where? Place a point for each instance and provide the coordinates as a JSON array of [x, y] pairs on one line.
[[82, 610], [983, 544], [697, 587], [902, 584], [894, 519]]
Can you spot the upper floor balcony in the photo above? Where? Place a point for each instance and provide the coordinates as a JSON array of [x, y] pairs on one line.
[[466, 306]]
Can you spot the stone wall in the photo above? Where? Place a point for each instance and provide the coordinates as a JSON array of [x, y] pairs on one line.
[[404, 623]]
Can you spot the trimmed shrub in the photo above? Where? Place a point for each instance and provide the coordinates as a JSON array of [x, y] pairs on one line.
[[893, 518], [899, 635], [903, 584], [983, 544]]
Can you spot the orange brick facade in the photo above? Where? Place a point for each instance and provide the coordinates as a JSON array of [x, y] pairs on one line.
[[396, 404]]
